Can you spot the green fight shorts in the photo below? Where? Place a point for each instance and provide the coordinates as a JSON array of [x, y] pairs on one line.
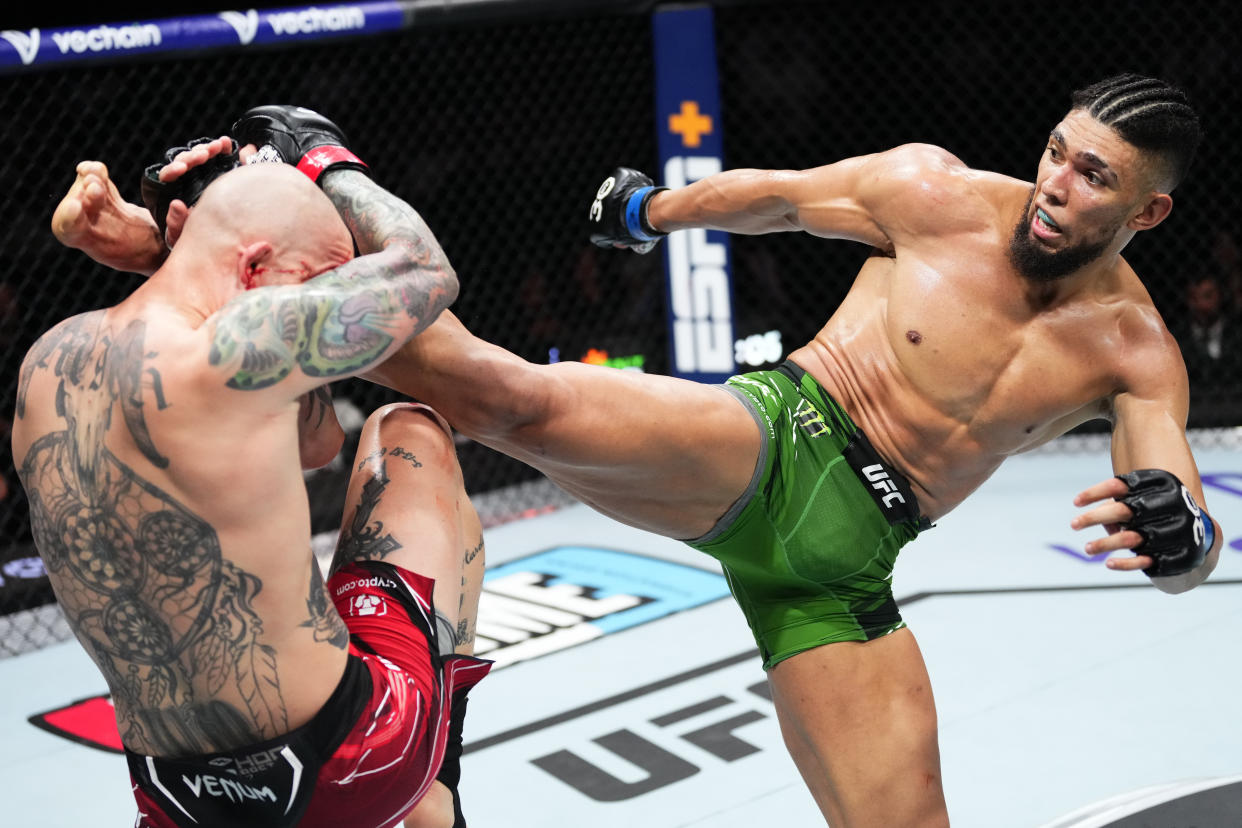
[[808, 549]]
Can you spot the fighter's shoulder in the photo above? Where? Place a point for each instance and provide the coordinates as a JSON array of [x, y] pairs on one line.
[[928, 183], [1138, 314], [1149, 353], [67, 349], [73, 332], [924, 164]]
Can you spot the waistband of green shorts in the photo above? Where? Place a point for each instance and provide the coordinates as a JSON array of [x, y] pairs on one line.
[[859, 448], [811, 387]]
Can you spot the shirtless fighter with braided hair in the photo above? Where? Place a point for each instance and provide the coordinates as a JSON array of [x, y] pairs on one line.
[[805, 481], [993, 315]]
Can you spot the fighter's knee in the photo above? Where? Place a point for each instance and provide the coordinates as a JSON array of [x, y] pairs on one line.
[[410, 420], [416, 430]]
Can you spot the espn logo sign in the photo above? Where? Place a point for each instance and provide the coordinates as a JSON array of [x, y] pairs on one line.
[[699, 291]]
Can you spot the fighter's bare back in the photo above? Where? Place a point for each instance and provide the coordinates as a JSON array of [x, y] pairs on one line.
[[236, 534]]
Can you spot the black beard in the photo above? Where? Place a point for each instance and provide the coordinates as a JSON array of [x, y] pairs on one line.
[[1038, 264]]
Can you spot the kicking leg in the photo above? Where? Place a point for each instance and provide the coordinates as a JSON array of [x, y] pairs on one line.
[[664, 454], [860, 723]]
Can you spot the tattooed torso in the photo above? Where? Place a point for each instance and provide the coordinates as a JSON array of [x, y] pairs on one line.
[[158, 442], [171, 620]]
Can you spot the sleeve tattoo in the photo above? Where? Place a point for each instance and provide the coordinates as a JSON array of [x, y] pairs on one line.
[[346, 320]]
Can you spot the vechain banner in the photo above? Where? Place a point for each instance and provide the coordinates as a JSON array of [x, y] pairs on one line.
[[700, 292], [39, 47]]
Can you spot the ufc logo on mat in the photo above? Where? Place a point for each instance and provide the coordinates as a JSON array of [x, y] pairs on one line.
[[882, 482]]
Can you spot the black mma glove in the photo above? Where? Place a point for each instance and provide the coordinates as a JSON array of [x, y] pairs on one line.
[[1177, 534], [157, 195], [619, 213], [298, 136]]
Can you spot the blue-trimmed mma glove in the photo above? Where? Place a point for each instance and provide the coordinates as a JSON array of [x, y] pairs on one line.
[[1177, 534], [619, 213], [298, 136], [157, 195]]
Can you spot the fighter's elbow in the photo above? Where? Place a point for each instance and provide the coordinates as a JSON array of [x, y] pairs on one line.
[[449, 282]]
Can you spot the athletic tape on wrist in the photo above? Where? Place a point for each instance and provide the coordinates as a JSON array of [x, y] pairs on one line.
[[634, 215], [319, 159]]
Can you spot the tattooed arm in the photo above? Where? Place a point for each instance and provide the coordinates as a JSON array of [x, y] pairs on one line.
[[376, 217], [349, 319]]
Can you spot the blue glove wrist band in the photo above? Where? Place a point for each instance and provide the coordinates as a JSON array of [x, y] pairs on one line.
[[634, 217], [1209, 532]]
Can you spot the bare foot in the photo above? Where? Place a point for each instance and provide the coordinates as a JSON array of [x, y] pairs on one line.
[[93, 218]]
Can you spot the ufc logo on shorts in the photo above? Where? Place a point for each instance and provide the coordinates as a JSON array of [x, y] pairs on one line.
[[882, 482], [361, 605]]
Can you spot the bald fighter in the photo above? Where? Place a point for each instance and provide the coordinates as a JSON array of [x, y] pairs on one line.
[[993, 315], [161, 442]]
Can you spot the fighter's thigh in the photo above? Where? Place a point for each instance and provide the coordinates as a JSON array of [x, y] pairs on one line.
[[659, 452], [405, 502], [862, 715]]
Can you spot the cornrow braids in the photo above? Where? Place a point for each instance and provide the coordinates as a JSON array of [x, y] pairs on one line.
[[1149, 113]]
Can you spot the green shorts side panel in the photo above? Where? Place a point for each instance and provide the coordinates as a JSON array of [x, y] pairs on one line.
[[810, 557]]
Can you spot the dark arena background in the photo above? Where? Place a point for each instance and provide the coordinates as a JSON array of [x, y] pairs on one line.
[[626, 688], [498, 120]]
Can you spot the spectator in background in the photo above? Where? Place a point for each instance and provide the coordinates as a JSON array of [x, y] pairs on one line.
[[1209, 335], [1227, 261]]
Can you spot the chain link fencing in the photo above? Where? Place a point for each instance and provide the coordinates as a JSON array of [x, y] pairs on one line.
[[500, 132]]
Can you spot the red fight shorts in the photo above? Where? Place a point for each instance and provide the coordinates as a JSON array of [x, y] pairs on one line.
[[370, 753]]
